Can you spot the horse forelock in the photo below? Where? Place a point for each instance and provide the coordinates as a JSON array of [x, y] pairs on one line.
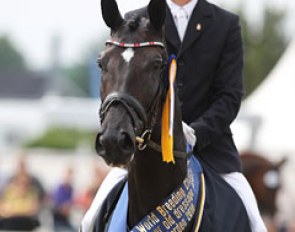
[[137, 29], [134, 23]]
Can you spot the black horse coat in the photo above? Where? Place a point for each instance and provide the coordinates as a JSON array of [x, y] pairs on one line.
[[210, 88], [217, 216], [209, 79]]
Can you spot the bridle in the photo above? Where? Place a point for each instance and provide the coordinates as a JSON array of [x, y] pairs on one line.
[[133, 107], [136, 45]]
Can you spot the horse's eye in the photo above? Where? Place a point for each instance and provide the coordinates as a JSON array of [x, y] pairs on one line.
[[157, 64], [101, 64], [98, 61]]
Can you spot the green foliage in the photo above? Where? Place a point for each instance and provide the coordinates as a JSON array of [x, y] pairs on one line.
[[61, 138], [10, 58], [79, 73], [263, 47]]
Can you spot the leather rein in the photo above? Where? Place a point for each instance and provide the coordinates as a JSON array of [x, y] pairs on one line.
[[134, 108]]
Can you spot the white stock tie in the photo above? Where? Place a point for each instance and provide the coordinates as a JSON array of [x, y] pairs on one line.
[[182, 20]]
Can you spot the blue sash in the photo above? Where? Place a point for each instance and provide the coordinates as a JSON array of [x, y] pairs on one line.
[[173, 214]]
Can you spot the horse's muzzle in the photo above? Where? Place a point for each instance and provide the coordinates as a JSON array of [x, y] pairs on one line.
[[116, 148]]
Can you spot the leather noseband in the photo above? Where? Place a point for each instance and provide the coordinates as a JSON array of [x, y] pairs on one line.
[[131, 105]]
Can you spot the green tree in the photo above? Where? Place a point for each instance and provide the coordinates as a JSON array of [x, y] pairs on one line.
[[78, 73], [263, 47], [10, 58], [62, 138]]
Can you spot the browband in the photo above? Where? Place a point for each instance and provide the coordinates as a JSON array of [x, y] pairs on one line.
[[136, 45]]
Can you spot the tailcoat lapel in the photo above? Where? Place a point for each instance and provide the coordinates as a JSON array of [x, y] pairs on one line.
[[202, 16]]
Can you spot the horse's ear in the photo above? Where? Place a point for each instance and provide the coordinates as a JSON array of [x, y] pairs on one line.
[[281, 162], [157, 13], [111, 14]]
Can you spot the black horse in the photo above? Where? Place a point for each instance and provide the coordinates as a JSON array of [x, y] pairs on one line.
[[133, 86]]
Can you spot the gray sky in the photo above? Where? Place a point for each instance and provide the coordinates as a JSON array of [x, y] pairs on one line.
[[32, 24]]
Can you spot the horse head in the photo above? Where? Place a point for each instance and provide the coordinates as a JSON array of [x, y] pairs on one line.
[[264, 178], [131, 85]]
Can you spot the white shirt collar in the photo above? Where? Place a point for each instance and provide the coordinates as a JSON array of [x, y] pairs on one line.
[[189, 7]]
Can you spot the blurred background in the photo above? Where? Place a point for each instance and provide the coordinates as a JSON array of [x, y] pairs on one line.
[[49, 101]]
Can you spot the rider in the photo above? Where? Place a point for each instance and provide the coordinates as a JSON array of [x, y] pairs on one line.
[[208, 45]]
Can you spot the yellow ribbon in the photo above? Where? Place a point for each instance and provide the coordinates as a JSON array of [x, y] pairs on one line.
[[168, 117]]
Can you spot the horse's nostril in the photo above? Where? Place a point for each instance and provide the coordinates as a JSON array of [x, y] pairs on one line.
[[98, 145], [126, 143]]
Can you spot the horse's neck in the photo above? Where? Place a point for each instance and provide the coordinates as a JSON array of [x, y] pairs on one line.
[[151, 180]]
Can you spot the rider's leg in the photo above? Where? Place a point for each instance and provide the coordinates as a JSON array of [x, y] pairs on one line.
[[243, 189]]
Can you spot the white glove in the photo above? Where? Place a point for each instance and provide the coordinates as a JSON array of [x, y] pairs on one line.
[[189, 134]]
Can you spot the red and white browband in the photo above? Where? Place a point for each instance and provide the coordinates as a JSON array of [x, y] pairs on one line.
[[135, 45]]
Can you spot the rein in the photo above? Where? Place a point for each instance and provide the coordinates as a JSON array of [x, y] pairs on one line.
[[178, 154], [133, 106]]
